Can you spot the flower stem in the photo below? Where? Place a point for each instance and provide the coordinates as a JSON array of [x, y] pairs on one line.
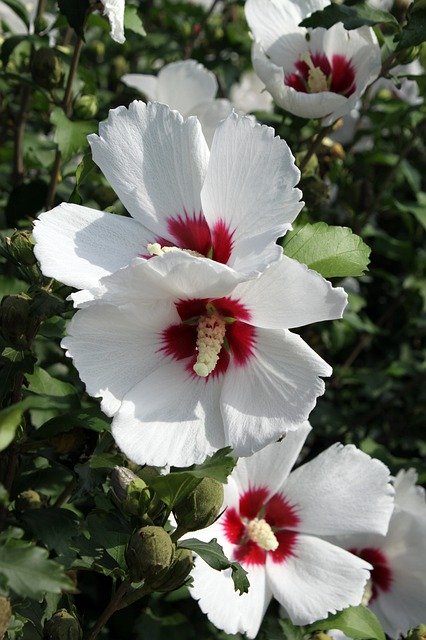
[[315, 145], [112, 607]]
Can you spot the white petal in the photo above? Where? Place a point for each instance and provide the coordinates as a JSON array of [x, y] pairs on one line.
[[170, 417], [15, 24], [270, 466], [409, 496], [114, 348], [249, 94], [146, 84], [274, 24], [78, 246], [154, 160], [289, 295], [210, 114], [114, 10], [402, 608], [173, 276], [250, 186], [341, 491], [318, 579], [224, 606], [185, 84], [273, 392]]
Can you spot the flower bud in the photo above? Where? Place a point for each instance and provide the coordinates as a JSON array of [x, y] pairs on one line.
[[129, 492], [20, 245], [320, 635], [62, 626], [149, 552], [15, 319], [419, 633], [118, 67], [28, 500], [5, 615], [201, 507], [46, 68], [175, 576], [86, 107], [405, 56]]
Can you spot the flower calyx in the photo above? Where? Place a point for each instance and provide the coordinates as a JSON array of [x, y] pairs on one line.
[[62, 626], [201, 507], [149, 552]]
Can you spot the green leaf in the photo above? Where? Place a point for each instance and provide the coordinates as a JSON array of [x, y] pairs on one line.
[[358, 623], [29, 572], [212, 553], [70, 135], [20, 10], [352, 17], [133, 22], [83, 170], [332, 251], [10, 419], [110, 533], [218, 466], [414, 32], [75, 12], [291, 632], [52, 526], [12, 364], [41, 382]]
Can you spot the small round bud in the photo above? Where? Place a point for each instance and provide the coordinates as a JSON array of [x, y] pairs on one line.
[[5, 615], [175, 576], [320, 635], [47, 69], [201, 507], [20, 245], [419, 633], [15, 319], [28, 500], [129, 492], [86, 107], [149, 552], [408, 55], [62, 626], [97, 49]]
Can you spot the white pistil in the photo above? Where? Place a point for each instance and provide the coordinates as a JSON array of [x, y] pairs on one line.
[[368, 592], [317, 80], [261, 533], [155, 249], [210, 337]]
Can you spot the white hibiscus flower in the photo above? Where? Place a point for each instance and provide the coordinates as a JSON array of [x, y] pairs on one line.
[[249, 94], [273, 525], [229, 205], [189, 360], [397, 593], [188, 87], [114, 11], [313, 73]]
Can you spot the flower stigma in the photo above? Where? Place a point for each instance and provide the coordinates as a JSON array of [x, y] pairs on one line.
[[260, 532], [211, 331], [317, 80], [368, 593], [155, 249]]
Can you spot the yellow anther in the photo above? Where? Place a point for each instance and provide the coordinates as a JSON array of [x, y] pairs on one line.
[[317, 80], [260, 532], [210, 337], [155, 249]]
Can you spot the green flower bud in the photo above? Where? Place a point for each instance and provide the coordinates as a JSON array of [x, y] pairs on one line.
[[47, 69], [320, 635], [408, 55], [15, 319], [62, 626], [20, 245], [175, 576], [97, 49], [86, 107], [201, 508], [119, 66], [129, 492], [149, 552], [28, 500], [419, 633], [5, 615]]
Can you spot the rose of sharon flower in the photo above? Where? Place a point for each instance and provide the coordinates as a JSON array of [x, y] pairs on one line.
[[188, 87], [313, 73], [273, 525], [249, 94], [188, 360], [114, 11], [230, 205], [397, 590]]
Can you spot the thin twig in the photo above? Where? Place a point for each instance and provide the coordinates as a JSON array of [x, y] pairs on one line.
[[66, 493], [198, 33], [315, 145], [112, 607]]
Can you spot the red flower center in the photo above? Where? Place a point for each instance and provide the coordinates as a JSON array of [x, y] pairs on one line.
[[180, 340], [276, 512], [192, 232], [319, 73], [381, 576]]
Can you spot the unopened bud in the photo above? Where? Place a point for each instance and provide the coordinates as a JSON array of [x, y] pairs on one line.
[[419, 633], [5, 615], [175, 576], [20, 245], [118, 67], [28, 500], [62, 626], [405, 56], [149, 552], [201, 507], [15, 319], [46, 68], [86, 107], [129, 492], [320, 635], [97, 49]]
